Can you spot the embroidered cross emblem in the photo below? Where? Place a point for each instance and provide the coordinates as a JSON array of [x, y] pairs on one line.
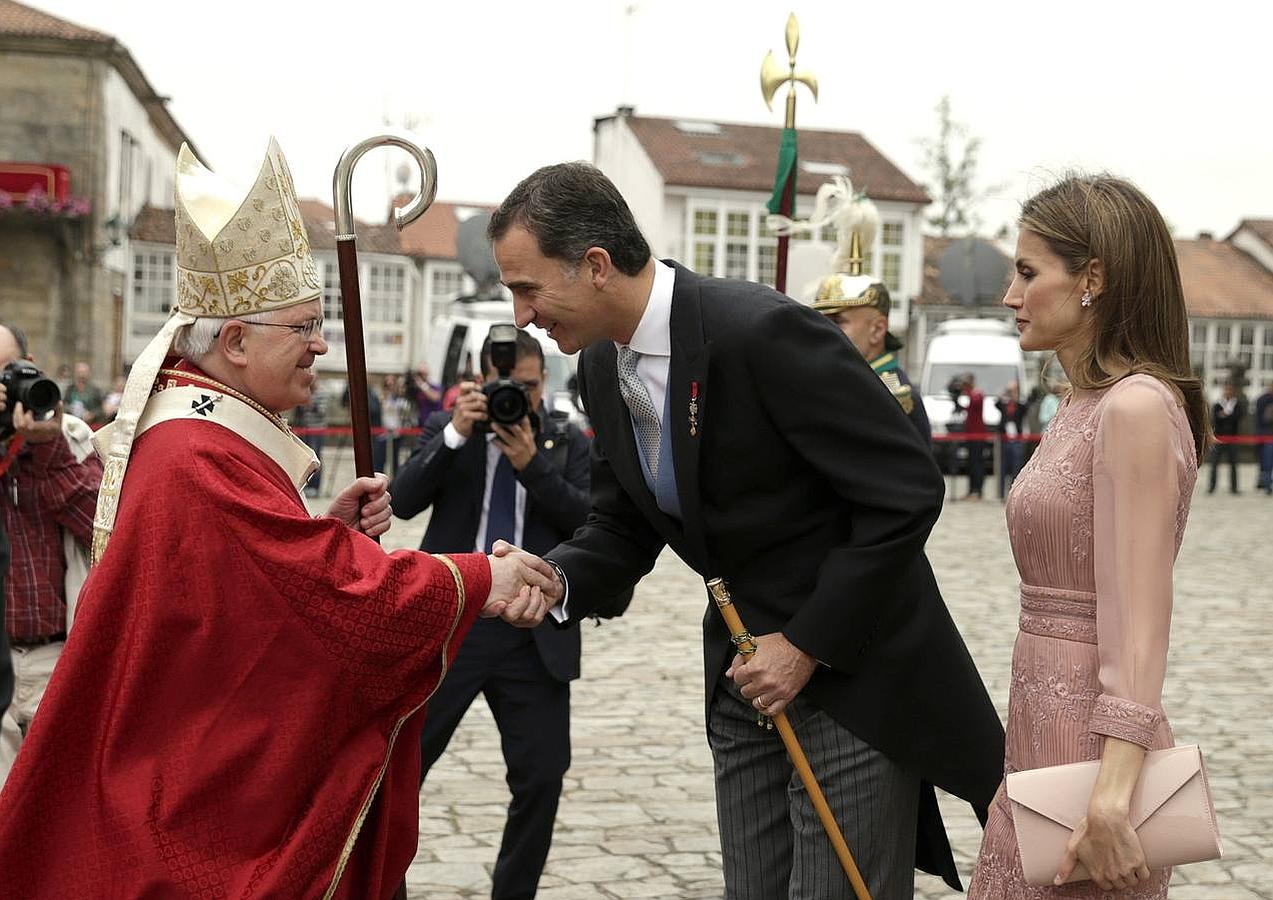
[[204, 404]]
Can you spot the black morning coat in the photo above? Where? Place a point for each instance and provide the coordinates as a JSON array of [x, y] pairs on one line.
[[803, 484]]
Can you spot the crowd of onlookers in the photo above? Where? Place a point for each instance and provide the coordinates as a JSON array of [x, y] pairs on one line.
[[401, 403], [1022, 419], [396, 404]]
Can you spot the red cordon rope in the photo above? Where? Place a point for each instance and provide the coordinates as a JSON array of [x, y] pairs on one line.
[[346, 432], [958, 437]]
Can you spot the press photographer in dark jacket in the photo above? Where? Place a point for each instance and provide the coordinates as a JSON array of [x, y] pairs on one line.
[[526, 483]]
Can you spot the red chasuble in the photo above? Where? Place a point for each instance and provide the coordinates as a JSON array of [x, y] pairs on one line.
[[237, 710]]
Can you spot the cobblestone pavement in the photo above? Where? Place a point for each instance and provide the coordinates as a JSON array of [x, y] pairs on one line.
[[637, 817]]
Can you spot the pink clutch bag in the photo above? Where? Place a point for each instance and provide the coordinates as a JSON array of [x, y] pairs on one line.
[[1171, 811]]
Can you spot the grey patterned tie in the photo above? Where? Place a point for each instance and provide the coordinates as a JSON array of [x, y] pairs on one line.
[[635, 394]]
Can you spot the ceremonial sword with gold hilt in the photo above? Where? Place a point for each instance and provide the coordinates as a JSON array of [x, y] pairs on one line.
[[746, 645]]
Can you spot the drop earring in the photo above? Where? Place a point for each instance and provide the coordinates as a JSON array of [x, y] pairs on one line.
[[1087, 298]]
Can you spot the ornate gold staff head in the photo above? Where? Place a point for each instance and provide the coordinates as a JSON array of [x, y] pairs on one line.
[[772, 74]]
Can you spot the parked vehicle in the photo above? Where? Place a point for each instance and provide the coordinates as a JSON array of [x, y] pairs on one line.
[[456, 346], [989, 350]]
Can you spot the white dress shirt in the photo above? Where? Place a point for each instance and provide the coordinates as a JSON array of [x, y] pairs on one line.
[[653, 337]]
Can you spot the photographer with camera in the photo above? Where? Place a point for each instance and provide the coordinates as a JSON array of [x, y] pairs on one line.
[[500, 466], [48, 490]]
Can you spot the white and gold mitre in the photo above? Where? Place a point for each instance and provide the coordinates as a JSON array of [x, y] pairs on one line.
[[240, 252]]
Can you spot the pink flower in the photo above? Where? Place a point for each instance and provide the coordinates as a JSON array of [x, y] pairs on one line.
[[6, 200], [37, 200]]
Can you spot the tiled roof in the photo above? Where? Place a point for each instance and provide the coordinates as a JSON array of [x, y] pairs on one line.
[[1222, 281], [745, 157], [154, 224], [433, 234], [26, 21]]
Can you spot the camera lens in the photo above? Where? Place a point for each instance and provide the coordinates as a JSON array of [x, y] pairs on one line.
[[507, 404], [41, 396]]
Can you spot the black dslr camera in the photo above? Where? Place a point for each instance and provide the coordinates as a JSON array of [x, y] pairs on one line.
[[507, 401], [26, 384]]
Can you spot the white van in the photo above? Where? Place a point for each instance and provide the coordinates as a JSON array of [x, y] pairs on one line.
[[987, 348], [455, 347]]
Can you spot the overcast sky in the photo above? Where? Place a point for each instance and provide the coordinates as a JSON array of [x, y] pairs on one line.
[[1175, 96]]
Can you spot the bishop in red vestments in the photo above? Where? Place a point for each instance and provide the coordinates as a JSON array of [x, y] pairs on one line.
[[237, 710]]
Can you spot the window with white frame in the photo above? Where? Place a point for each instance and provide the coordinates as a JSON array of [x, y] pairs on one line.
[[332, 310], [1266, 351], [733, 240], [128, 148], [1198, 344], [703, 240], [154, 285], [892, 242], [1246, 344], [446, 283], [1224, 337], [386, 292], [737, 243], [767, 263]]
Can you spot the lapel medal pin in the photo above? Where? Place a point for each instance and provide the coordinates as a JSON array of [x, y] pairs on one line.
[[693, 409]]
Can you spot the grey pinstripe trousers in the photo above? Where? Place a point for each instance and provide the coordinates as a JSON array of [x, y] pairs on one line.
[[772, 841]]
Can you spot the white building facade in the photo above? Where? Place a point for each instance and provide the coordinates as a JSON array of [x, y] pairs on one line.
[[699, 192]]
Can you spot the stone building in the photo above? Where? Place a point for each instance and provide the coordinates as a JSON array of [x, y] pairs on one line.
[[74, 102]]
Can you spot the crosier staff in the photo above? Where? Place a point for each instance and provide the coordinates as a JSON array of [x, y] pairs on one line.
[[347, 260], [746, 645]]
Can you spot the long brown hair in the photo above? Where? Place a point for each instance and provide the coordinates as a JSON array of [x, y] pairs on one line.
[[1138, 324]]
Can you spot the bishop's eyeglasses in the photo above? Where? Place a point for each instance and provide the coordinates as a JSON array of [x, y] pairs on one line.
[[308, 330]]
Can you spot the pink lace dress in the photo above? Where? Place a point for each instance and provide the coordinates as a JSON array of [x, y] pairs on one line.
[[1095, 520]]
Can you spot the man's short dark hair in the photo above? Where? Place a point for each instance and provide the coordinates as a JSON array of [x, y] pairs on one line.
[[570, 207], [526, 346], [19, 338]]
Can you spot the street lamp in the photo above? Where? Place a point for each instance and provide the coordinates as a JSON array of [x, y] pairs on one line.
[[115, 230]]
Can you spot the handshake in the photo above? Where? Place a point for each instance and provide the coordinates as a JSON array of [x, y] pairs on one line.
[[523, 586]]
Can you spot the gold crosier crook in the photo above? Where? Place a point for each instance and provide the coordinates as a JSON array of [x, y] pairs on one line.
[[746, 645]]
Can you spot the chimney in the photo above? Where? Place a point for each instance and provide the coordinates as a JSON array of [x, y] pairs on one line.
[[625, 111], [1206, 236]]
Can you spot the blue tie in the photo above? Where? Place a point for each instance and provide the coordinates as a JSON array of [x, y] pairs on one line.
[[501, 515]]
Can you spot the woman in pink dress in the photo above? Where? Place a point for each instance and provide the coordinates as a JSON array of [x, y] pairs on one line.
[[1095, 520]]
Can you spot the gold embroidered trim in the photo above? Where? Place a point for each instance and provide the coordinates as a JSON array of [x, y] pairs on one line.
[[348, 849], [259, 259]]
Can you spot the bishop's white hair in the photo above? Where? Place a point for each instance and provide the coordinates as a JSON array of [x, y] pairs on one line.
[[194, 341]]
